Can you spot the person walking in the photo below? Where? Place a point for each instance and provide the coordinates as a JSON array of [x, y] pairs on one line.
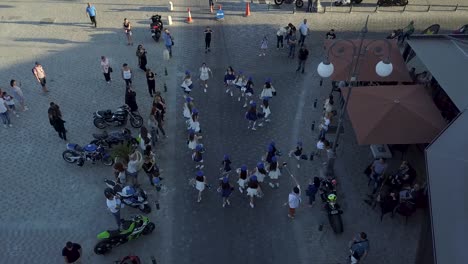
[[4, 113], [378, 169], [205, 75], [292, 41], [359, 248], [72, 253], [200, 184], [159, 117], [263, 46], [151, 81], [141, 55], [130, 99], [127, 26], [242, 181], [106, 68], [151, 169], [240, 82], [10, 102], [187, 108], [274, 172], [302, 57], [197, 157], [304, 30], [226, 164], [248, 92], [260, 172], [168, 41], [208, 33], [18, 94], [280, 37], [268, 90], [312, 190], [40, 75], [229, 77], [297, 153], [113, 203], [294, 200], [253, 190], [225, 189], [193, 140], [251, 115], [91, 12], [126, 74], [193, 122], [56, 121], [187, 83], [265, 106]]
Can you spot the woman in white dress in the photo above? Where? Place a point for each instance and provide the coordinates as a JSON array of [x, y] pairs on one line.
[[268, 90], [242, 181], [274, 172], [193, 139], [193, 122], [265, 114], [240, 83], [260, 172], [205, 75], [253, 189], [187, 84], [188, 106], [200, 184]]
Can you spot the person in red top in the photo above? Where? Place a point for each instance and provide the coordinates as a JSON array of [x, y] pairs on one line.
[[72, 253]]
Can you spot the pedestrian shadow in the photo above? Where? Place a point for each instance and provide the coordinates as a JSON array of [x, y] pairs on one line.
[[49, 40]]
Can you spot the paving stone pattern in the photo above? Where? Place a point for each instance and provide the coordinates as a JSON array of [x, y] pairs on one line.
[[48, 201]]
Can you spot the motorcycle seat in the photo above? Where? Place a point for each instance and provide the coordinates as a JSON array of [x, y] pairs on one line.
[[100, 136], [90, 148], [105, 113]]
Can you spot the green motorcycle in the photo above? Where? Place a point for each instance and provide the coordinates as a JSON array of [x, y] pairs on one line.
[[131, 230]]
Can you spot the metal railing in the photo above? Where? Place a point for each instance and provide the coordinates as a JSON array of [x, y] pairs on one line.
[[376, 8]]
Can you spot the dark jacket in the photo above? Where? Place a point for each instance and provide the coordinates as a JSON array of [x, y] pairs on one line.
[[303, 54]]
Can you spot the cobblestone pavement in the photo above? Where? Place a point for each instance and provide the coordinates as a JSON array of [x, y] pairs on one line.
[[48, 202]]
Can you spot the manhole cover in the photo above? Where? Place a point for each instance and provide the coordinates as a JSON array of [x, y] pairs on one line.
[[47, 21]]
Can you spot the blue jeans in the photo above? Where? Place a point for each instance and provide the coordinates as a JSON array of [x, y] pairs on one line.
[[169, 48], [5, 117], [117, 218], [302, 39], [292, 50]]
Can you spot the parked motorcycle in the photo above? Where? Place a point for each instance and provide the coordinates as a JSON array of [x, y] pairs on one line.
[[131, 230], [90, 152], [112, 138], [132, 196], [105, 118], [156, 27], [347, 2], [299, 3], [334, 214], [392, 2]]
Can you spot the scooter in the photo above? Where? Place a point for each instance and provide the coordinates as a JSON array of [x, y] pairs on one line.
[[156, 27], [132, 196], [131, 230], [392, 2], [347, 2], [299, 3]]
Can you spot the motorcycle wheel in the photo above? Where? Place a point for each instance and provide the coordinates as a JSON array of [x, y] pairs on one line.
[[149, 229], [146, 209], [403, 2], [136, 121], [279, 2], [102, 248], [336, 223], [108, 161], [67, 154], [299, 3], [99, 123]]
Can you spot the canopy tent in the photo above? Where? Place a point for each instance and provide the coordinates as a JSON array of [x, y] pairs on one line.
[[341, 56], [402, 114], [446, 58], [447, 167]]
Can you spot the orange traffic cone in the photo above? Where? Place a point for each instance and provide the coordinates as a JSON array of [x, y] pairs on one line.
[[247, 9], [189, 18]]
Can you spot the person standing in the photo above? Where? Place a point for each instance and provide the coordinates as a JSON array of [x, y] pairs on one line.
[[242, 181], [359, 248], [106, 68], [292, 41], [159, 117], [127, 26], [310, 6], [141, 55], [200, 184], [330, 34], [304, 30], [378, 169], [253, 189], [302, 56], [312, 190], [72, 253], [225, 189], [280, 37], [9, 100], [130, 99], [40, 75], [4, 113], [274, 172], [113, 204], [127, 74], [208, 33], [135, 160], [263, 46], [18, 94], [205, 75], [56, 121], [294, 200], [168, 41], [151, 81], [91, 12], [268, 90]]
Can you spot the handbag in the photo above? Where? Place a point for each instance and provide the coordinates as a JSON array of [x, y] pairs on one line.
[[110, 69]]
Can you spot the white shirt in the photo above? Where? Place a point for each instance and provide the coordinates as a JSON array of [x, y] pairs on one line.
[[132, 166], [303, 28], [114, 204], [294, 200], [320, 145], [9, 100], [127, 74], [105, 65], [3, 108], [281, 31], [326, 121]]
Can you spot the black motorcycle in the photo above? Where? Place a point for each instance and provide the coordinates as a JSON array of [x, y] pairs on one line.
[[90, 152], [334, 214], [347, 2], [105, 118], [299, 3], [113, 138], [156, 27], [392, 2]]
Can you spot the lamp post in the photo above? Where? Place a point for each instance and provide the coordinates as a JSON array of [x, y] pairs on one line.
[[325, 69]]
